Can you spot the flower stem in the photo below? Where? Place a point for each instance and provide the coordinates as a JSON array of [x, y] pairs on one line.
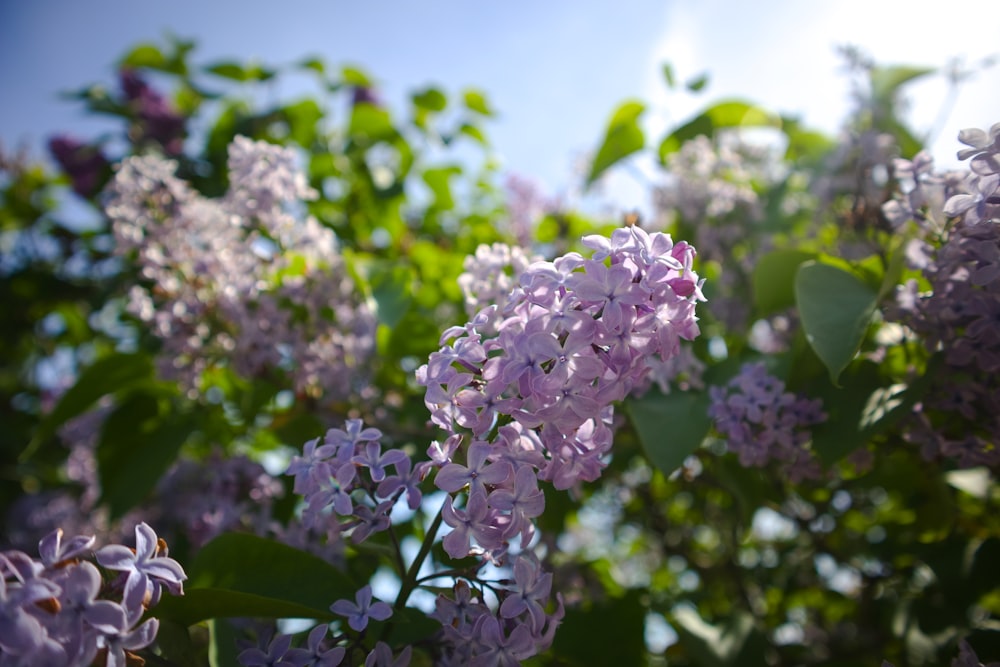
[[410, 580]]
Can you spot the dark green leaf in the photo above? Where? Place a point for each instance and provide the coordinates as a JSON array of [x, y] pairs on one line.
[[238, 574], [670, 427], [107, 375], [223, 650], [864, 406], [138, 443], [698, 83], [622, 137], [773, 279], [409, 626], [836, 308], [608, 633], [668, 75], [174, 642]]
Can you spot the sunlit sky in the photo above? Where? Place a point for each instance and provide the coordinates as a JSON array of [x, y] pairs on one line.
[[555, 70]]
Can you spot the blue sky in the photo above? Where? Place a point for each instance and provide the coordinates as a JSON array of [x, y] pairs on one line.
[[554, 70]]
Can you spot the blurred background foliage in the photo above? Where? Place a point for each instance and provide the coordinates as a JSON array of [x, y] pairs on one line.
[[680, 555]]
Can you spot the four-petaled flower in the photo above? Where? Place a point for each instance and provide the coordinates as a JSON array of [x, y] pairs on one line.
[[147, 571], [359, 611]]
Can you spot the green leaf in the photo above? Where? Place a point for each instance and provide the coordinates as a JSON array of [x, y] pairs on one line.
[[105, 376], [773, 279], [622, 137], [410, 626], [223, 650], [438, 180], [725, 114], [144, 55], [474, 133], [138, 443], [583, 636], [228, 70], [670, 427], [430, 99], [836, 308], [668, 76], [355, 76], [174, 642], [864, 406], [238, 574], [314, 63], [303, 118], [886, 80], [370, 124], [698, 83], [475, 100], [391, 287]]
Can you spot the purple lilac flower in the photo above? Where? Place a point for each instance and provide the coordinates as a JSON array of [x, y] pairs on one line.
[[58, 610], [314, 653], [381, 656], [362, 609], [762, 422], [573, 338], [275, 655], [85, 165], [54, 552], [155, 120], [525, 393], [497, 650], [20, 632], [957, 318], [490, 275], [148, 572], [217, 287], [531, 593]]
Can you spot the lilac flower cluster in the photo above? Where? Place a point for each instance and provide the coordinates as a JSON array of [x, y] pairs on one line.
[[155, 121], [491, 274], [84, 164], [712, 180], [712, 189], [220, 494], [981, 202], [859, 169], [60, 610], [921, 193], [762, 422], [959, 417], [573, 339], [534, 401], [525, 393], [321, 650], [244, 279], [347, 485]]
